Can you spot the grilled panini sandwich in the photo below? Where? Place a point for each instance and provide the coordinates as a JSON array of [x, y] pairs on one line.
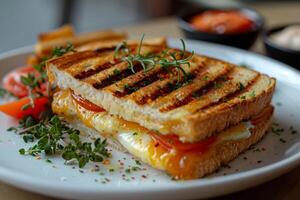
[[182, 113]]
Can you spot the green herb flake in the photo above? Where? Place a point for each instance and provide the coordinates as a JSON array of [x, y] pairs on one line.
[[135, 134], [135, 168], [277, 131], [292, 130], [5, 93], [241, 86], [129, 88], [28, 138], [138, 162], [282, 140], [252, 94], [22, 151], [111, 170], [59, 51], [26, 106], [12, 129], [117, 72]]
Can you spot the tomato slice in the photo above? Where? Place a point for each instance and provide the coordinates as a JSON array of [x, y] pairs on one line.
[[14, 108], [86, 104], [12, 81], [172, 141]]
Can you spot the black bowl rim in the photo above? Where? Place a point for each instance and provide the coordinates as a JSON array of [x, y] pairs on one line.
[[183, 24], [268, 41]]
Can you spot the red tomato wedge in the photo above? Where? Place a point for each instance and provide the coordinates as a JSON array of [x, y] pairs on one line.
[[172, 141], [14, 108], [12, 81], [86, 104]]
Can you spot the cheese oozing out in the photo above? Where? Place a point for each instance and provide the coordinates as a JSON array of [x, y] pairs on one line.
[[137, 141]]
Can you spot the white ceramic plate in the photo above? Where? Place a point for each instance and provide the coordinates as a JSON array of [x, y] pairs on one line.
[[275, 155]]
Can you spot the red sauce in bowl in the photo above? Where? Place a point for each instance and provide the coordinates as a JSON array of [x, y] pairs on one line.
[[222, 22]]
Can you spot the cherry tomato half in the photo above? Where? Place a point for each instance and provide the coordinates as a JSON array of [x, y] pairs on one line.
[[12, 81]]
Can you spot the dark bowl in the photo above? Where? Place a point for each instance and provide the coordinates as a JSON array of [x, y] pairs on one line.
[[288, 56], [241, 40]]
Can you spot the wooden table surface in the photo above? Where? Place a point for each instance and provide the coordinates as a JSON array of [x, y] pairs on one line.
[[286, 187]]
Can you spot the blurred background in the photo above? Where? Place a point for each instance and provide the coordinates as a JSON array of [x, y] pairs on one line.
[[21, 20]]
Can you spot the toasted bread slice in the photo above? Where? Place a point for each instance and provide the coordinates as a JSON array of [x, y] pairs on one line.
[[218, 95], [64, 31], [65, 35], [111, 44], [208, 157]]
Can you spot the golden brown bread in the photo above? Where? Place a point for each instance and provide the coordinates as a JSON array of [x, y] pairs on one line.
[[180, 166], [218, 95], [64, 35], [161, 41], [59, 33]]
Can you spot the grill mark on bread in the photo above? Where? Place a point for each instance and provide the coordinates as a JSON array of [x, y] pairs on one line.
[[240, 92], [112, 78], [160, 91], [105, 49], [106, 77], [163, 87], [187, 93], [193, 96], [221, 88], [72, 59], [90, 72], [92, 66], [137, 81]]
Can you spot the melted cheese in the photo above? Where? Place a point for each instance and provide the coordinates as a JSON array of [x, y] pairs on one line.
[[138, 142], [238, 132]]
